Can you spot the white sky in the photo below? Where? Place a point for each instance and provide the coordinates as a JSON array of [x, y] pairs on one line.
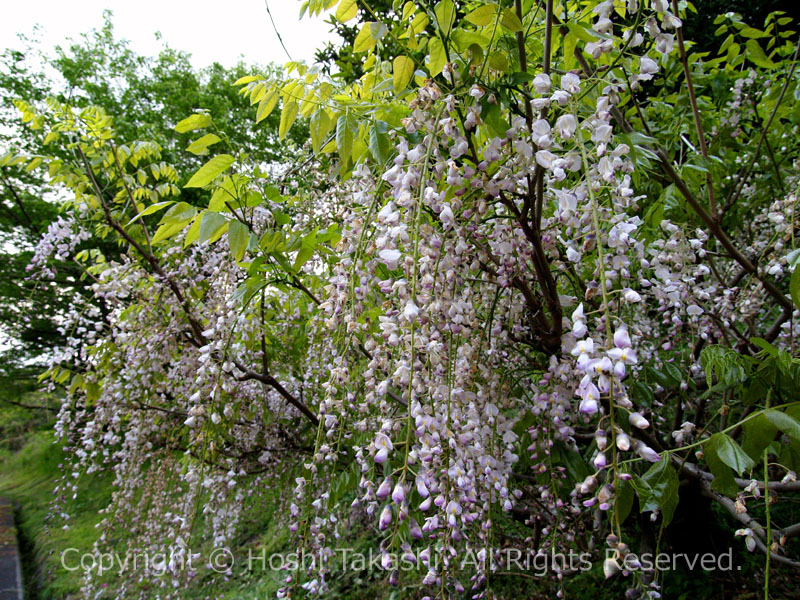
[[210, 31]]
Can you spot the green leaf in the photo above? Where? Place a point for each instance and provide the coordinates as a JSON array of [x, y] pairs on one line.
[[225, 193], [303, 256], [756, 55], [379, 144], [238, 239], [196, 121], [180, 213], [154, 208], [402, 70], [570, 43], [768, 348], [658, 489], [730, 453], [794, 286], [752, 32], [288, 115], [267, 105], [369, 35], [445, 13], [347, 9], [200, 145], [272, 241], [209, 171], [624, 500], [346, 127], [173, 221], [483, 15], [758, 434], [498, 61], [723, 363], [437, 57], [511, 21], [319, 127], [192, 233], [246, 79], [419, 22], [582, 32], [673, 372], [788, 425], [212, 227], [724, 481]]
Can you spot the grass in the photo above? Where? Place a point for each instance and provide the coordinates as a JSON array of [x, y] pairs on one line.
[[30, 466]]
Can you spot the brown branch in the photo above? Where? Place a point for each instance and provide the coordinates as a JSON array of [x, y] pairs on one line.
[[197, 329], [19, 202], [270, 381], [712, 202], [748, 522]]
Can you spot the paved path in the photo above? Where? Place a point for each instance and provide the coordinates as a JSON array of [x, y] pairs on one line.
[[10, 572]]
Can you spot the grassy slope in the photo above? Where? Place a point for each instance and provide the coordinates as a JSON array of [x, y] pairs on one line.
[[30, 464]]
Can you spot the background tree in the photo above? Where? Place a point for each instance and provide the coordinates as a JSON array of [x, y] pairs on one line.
[[149, 95]]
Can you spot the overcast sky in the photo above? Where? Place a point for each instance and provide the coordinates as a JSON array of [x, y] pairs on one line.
[[211, 31]]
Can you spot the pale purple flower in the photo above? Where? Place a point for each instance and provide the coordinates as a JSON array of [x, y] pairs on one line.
[[599, 461], [399, 493], [390, 258], [694, 311], [645, 451], [384, 446], [422, 489], [622, 339], [624, 355], [583, 347], [565, 126], [631, 295], [411, 311], [447, 217], [571, 83], [648, 66], [637, 420], [579, 329], [384, 489], [542, 83], [545, 158], [414, 529], [386, 518], [453, 510]]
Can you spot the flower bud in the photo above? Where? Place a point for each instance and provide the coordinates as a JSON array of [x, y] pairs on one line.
[[610, 567], [386, 518], [399, 493], [600, 439], [384, 489], [599, 461], [637, 420]]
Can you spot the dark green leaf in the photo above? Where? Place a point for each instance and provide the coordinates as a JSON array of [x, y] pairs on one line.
[[730, 453], [758, 434], [658, 489], [785, 423]]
